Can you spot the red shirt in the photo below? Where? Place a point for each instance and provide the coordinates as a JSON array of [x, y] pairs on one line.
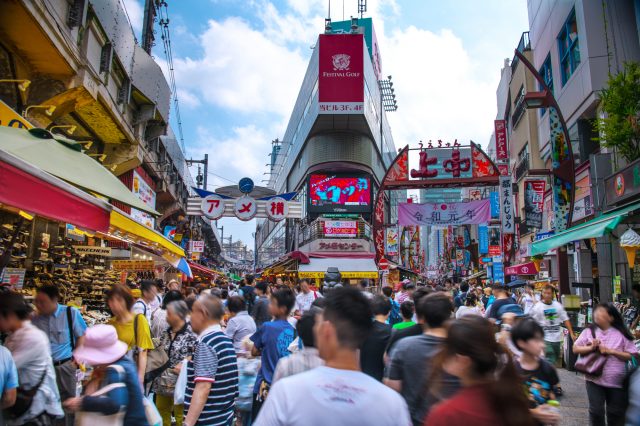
[[470, 406]]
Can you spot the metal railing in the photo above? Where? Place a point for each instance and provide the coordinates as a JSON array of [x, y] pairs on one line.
[[522, 167], [523, 46], [315, 231]]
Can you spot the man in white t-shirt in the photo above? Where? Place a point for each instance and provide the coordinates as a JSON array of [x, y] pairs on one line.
[[305, 298], [337, 394], [149, 301], [550, 314]]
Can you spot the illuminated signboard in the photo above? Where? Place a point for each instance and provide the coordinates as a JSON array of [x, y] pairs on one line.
[[330, 193]]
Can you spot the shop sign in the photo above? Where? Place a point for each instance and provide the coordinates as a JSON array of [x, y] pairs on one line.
[[544, 235], [500, 128], [245, 208], [582, 205], [475, 195], [10, 118], [429, 214], [169, 232], [507, 247], [341, 74], [277, 209], [534, 202], [74, 233], [148, 196], [498, 270], [494, 198], [212, 207], [392, 242], [624, 184], [340, 228], [196, 246], [506, 205], [522, 269], [13, 277], [348, 275], [133, 265], [195, 255], [346, 245], [93, 251], [504, 169]]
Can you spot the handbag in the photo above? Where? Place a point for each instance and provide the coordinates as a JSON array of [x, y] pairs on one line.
[[158, 361], [24, 398], [86, 418], [593, 363]]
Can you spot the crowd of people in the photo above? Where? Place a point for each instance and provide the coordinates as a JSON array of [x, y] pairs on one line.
[[277, 354]]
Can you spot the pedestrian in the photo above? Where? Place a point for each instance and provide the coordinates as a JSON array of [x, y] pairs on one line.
[[212, 373], [31, 352], [336, 394], [412, 359], [247, 291], [8, 381], [538, 375], [487, 298], [528, 299], [149, 296], [364, 286], [65, 328], [502, 298], [173, 285], [608, 336], [403, 294], [179, 342], [306, 297], [103, 351], [132, 329], [470, 307], [260, 311], [407, 311], [159, 316], [271, 341], [374, 346], [460, 299], [414, 330], [307, 357], [492, 393], [550, 314], [394, 315], [240, 324]]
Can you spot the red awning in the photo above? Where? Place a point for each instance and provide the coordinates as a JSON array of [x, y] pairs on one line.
[[528, 268], [201, 270], [28, 188]]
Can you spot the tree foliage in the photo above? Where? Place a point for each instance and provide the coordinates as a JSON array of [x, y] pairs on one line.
[[620, 128]]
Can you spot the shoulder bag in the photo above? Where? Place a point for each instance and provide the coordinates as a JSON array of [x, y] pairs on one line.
[[24, 398], [593, 363], [157, 358], [166, 377], [91, 418]]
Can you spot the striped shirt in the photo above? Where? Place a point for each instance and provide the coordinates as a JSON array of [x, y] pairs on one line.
[[214, 361]]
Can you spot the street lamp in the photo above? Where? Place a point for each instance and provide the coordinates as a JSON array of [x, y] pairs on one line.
[[70, 128], [48, 109]]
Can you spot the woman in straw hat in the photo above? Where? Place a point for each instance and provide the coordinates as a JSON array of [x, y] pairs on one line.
[[106, 354]]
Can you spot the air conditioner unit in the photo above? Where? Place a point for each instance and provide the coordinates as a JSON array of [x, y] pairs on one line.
[[161, 186]]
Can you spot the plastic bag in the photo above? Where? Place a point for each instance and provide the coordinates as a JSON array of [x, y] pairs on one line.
[[151, 412], [181, 384]]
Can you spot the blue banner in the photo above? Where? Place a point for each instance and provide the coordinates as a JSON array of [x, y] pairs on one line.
[[483, 239], [498, 273], [495, 204]]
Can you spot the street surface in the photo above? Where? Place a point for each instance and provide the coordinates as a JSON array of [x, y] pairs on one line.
[[574, 403]]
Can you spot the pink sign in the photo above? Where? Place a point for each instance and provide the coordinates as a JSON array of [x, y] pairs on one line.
[[522, 269], [471, 213], [502, 152]]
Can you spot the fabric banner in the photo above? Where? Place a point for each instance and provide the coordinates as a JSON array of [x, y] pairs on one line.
[[534, 202], [392, 243], [528, 268], [471, 213], [483, 239]]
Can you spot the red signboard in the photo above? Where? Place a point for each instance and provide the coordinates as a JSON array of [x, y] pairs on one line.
[[341, 74], [522, 269], [502, 151], [504, 169], [494, 250]]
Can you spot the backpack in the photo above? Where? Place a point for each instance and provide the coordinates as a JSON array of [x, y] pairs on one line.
[[394, 315], [510, 308]]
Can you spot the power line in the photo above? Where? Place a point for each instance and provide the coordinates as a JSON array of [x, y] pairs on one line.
[[166, 41], [221, 177]]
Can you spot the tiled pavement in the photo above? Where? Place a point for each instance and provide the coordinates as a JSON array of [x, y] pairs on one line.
[[573, 404]]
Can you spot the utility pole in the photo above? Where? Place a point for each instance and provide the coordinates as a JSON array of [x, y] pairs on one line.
[[190, 162], [148, 39]]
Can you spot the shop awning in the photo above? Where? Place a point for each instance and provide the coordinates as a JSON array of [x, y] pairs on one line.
[[349, 268], [64, 158], [591, 229], [202, 270], [123, 226], [528, 268], [25, 187], [473, 276]]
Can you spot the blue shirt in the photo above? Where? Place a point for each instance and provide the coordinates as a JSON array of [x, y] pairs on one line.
[[273, 339], [56, 327], [8, 373]]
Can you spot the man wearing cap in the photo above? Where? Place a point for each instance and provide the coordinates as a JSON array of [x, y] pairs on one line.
[[65, 327]]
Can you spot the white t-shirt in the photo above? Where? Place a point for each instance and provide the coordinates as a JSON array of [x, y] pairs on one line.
[[528, 301], [328, 396], [467, 310], [304, 301], [550, 317]]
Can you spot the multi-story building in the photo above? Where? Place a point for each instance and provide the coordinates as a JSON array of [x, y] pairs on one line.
[[334, 153]]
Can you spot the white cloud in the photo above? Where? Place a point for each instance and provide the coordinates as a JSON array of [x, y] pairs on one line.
[[136, 15]]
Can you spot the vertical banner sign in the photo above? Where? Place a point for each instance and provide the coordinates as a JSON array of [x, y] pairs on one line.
[[483, 239], [341, 74], [498, 270], [534, 202], [495, 204], [506, 205], [561, 188], [392, 243], [500, 127]]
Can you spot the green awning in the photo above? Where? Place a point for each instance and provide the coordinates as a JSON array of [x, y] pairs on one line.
[[64, 159], [591, 229]]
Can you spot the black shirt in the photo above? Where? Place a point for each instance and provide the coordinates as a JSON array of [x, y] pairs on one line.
[[372, 351], [539, 383], [414, 330]]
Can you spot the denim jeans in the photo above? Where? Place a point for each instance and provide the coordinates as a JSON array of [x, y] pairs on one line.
[[609, 403]]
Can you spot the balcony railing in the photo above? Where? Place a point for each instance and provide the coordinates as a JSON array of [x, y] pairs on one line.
[[522, 167], [523, 46]]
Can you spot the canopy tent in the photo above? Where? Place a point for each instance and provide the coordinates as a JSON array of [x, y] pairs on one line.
[[64, 158], [25, 187], [122, 226], [202, 270], [591, 229], [349, 268]]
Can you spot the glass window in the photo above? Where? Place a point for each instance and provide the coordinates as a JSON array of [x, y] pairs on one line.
[[547, 75], [569, 47]]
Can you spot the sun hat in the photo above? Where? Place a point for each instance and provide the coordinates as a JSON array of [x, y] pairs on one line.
[[101, 346]]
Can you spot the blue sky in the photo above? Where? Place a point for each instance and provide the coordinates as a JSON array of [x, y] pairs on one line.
[[239, 66]]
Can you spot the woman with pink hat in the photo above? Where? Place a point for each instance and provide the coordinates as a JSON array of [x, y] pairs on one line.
[[106, 354]]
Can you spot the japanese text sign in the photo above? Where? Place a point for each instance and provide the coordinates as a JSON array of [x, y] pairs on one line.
[[502, 150], [277, 209], [196, 246], [534, 202], [506, 205], [473, 212], [340, 228]]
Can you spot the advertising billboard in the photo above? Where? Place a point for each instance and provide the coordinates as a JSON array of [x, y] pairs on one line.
[[145, 193], [340, 228], [341, 74], [534, 202], [330, 193]]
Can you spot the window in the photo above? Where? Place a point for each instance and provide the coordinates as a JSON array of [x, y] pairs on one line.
[[518, 106], [568, 47], [547, 75]]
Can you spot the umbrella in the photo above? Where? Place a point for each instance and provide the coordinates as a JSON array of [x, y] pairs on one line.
[[517, 284]]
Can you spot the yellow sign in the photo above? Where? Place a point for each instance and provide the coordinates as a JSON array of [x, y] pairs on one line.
[[133, 265], [617, 284], [10, 118], [372, 274]]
